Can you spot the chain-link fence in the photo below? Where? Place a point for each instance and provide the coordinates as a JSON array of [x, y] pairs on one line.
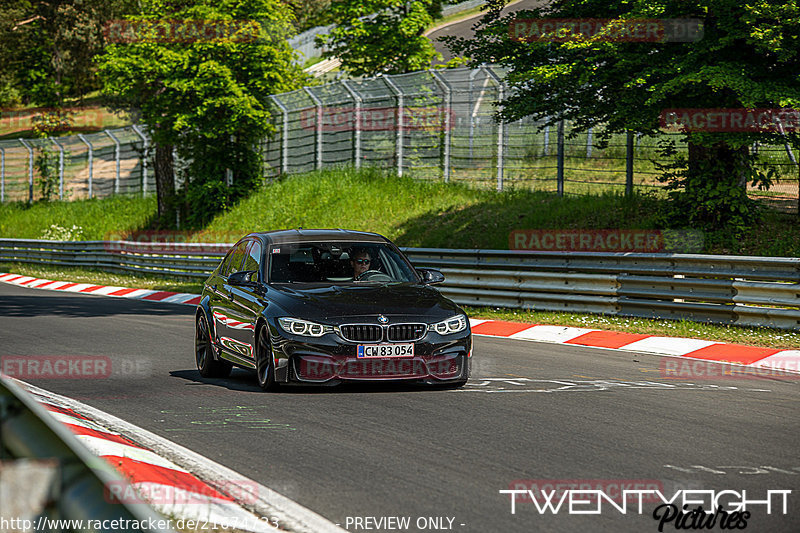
[[96, 165], [437, 124]]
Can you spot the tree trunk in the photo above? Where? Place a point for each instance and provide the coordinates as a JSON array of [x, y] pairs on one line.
[[165, 179]]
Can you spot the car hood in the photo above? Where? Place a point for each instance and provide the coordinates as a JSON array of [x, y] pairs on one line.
[[336, 303]]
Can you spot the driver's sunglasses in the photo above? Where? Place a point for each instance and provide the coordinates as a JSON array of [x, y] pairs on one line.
[[362, 261]]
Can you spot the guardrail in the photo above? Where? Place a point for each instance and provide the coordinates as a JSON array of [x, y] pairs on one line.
[[79, 482], [755, 291]]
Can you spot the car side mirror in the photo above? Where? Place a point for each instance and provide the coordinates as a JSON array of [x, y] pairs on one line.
[[430, 276], [244, 278]]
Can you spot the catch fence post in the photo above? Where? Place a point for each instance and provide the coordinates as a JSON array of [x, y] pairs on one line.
[[116, 157], [588, 143], [60, 168], [560, 158], [448, 107], [284, 136], [357, 123], [145, 155], [91, 159], [2, 174], [629, 164], [30, 169], [318, 105], [400, 112]]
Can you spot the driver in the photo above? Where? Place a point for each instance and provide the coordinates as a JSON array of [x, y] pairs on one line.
[[360, 261]]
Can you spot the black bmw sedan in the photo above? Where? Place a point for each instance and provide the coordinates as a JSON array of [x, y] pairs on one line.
[[327, 306]]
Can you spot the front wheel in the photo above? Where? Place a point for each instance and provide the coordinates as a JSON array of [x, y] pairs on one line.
[[265, 367], [204, 353]]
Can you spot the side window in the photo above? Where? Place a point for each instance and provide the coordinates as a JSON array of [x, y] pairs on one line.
[[226, 265], [253, 259], [236, 259]]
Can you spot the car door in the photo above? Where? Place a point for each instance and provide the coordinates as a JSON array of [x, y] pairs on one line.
[[218, 297], [223, 310], [245, 305]]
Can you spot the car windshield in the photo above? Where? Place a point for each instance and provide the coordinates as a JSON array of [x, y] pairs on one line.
[[338, 262]]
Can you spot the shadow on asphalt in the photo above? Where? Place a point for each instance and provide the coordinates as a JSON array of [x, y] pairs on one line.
[[85, 306], [245, 381]]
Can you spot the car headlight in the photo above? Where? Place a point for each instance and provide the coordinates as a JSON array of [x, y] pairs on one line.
[[304, 328], [451, 325]]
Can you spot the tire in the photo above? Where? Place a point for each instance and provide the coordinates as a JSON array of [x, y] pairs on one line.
[[204, 353], [265, 367]]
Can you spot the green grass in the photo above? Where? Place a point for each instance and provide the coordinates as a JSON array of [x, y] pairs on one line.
[[411, 212], [734, 334], [97, 219]]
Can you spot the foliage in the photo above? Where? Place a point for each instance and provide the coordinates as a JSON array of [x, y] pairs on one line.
[[310, 13], [382, 36], [748, 56], [47, 157], [697, 201], [60, 233], [47, 48], [209, 98]]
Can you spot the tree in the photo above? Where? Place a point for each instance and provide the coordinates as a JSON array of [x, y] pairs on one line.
[[381, 36], [200, 74], [47, 48], [748, 57]]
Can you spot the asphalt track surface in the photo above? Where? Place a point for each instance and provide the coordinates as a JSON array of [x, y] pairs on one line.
[[531, 412], [465, 28]]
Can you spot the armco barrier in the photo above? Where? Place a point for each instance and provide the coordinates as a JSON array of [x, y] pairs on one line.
[[759, 291], [28, 431]]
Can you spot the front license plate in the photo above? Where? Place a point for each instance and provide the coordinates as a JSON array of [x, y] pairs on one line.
[[366, 351]]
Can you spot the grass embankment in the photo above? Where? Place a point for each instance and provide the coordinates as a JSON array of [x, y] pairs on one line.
[[412, 213]]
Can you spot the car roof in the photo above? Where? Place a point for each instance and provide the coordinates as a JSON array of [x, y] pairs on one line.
[[313, 235]]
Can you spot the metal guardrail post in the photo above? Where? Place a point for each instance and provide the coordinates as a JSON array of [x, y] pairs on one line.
[[116, 156], [90, 155], [30, 169], [400, 117], [560, 158], [145, 155], [629, 163], [318, 129], [448, 108], [284, 135], [357, 102], [60, 168], [2, 174]]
